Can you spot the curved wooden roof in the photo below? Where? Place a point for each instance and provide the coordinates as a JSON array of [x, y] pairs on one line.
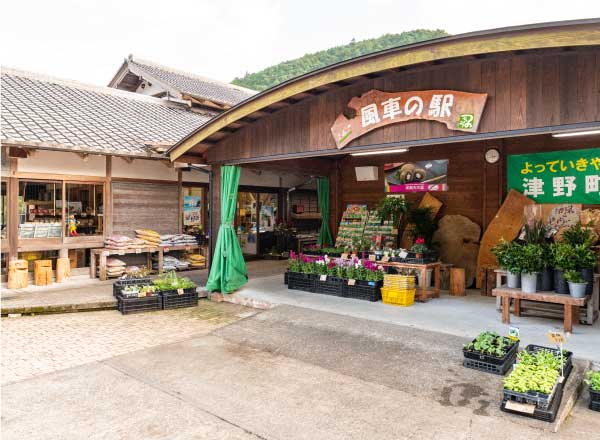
[[518, 38]]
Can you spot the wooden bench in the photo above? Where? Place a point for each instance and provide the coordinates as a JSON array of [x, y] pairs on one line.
[[571, 305]]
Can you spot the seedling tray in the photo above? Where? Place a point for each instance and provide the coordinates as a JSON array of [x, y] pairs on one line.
[[531, 348], [138, 305], [302, 281], [331, 286], [594, 400], [119, 284], [172, 299], [546, 415], [490, 359], [489, 367]]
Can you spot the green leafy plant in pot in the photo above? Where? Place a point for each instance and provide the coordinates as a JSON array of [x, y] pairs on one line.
[[576, 282], [391, 208], [531, 264], [563, 257], [584, 263], [509, 256]]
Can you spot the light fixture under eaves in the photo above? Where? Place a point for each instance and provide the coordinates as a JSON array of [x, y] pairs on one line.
[[576, 133], [368, 153]]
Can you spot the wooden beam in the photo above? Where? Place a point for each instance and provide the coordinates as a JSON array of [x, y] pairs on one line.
[[180, 207], [13, 211], [108, 199], [308, 166], [191, 158], [16, 152], [526, 38]]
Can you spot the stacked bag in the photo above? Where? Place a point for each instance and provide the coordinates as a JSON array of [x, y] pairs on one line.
[[169, 240], [122, 242], [170, 263], [149, 237], [114, 267], [195, 260]]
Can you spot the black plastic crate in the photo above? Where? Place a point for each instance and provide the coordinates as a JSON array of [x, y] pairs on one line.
[[540, 400], [119, 284], [489, 359], [546, 415], [494, 368], [172, 299], [365, 290], [594, 400], [301, 281], [331, 286], [138, 305], [531, 348], [285, 277]]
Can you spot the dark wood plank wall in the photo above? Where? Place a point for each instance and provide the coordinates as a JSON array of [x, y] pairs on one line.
[[145, 206], [525, 90]]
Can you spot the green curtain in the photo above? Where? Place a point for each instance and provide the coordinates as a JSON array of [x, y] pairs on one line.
[[323, 195], [228, 268]]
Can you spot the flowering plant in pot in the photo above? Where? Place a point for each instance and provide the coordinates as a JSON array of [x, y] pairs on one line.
[[419, 247], [576, 282], [531, 263]]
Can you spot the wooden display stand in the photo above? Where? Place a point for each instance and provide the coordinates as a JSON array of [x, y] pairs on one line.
[[18, 272], [42, 272], [202, 250], [457, 282], [63, 269], [571, 304], [98, 259]]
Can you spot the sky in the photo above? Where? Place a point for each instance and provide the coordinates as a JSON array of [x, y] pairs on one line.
[[86, 40]]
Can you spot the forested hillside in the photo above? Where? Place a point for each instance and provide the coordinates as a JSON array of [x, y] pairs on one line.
[[288, 69]]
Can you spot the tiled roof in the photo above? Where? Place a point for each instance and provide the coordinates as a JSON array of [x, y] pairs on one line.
[[194, 85], [44, 112]]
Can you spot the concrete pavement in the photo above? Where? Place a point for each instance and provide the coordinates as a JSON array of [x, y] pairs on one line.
[[285, 373]]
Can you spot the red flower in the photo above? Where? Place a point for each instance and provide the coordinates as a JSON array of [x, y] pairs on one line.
[[420, 240]]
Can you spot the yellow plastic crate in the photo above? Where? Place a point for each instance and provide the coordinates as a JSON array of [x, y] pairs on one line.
[[398, 297], [399, 281]]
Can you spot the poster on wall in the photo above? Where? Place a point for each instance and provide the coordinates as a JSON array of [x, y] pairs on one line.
[[557, 176], [191, 210], [424, 176]]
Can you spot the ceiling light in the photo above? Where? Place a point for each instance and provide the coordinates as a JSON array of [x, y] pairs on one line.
[[576, 133], [368, 153]]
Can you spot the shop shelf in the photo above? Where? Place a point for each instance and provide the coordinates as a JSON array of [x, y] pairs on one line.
[[119, 284], [138, 305], [302, 281], [365, 290], [546, 415], [331, 286], [172, 299], [594, 400]]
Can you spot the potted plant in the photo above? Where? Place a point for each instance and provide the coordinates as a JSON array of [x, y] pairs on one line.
[[563, 256], [508, 255], [584, 263], [577, 285], [423, 224], [391, 208], [419, 247], [592, 378], [531, 265], [546, 278]]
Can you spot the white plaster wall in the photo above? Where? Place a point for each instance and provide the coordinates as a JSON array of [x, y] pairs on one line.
[[143, 169], [58, 162]]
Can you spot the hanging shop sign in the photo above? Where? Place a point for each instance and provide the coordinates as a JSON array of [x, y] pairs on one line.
[[192, 213], [458, 110], [557, 176], [425, 176]]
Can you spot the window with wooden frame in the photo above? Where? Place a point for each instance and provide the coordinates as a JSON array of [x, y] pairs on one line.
[[84, 209], [40, 209]]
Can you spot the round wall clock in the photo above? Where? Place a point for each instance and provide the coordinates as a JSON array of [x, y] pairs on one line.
[[492, 155]]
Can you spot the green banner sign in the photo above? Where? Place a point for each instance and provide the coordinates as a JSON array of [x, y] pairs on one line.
[[571, 176]]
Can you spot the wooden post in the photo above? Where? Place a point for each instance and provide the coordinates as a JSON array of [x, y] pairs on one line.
[[18, 274], [180, 194], [108, 201], [13, 211], [63, 269], [457, 281], [506, 309]]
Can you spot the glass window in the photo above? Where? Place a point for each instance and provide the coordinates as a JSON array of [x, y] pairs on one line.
[[268, 211], [4, 212], [40, 205], [85, 209]]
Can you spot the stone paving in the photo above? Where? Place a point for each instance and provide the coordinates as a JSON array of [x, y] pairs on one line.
[[35, 345]]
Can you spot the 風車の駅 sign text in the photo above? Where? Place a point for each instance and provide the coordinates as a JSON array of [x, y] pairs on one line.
[[568, 176], [458, 110]]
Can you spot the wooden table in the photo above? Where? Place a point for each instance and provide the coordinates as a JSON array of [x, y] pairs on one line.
[[424, 292], [98, 258], [570, 304]]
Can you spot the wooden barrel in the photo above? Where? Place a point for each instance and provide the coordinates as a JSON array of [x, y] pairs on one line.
[[42, 272], [457, 281], [63, 269], [17, 274]]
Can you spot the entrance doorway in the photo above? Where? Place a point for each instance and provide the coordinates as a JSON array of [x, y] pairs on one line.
[[256, 216]]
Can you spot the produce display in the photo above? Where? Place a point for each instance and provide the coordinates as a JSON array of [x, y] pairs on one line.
[[379, 233], [352, 225], [139, 291], [526, 378], [171, 281], [542, 358], [490, 343], [592, 378], [352, 268]]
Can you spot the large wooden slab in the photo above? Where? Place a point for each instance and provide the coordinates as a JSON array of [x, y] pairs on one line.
[[506, 224]]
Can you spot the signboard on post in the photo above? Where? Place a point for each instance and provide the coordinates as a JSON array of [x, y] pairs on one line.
[[571, 176], [458, 110]]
